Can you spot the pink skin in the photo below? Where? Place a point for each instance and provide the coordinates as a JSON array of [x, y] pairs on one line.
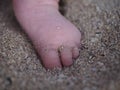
[[56, 40]]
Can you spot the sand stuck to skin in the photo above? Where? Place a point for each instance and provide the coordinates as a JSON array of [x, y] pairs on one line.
[[97, 68]]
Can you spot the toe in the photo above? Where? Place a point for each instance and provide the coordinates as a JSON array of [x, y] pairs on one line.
[[50, 59], [75, 52], [66, 57]]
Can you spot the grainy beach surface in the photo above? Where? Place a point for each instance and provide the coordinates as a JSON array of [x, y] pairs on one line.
[[97, 68]]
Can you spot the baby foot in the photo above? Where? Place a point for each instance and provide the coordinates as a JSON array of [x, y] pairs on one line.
[[56, 40]]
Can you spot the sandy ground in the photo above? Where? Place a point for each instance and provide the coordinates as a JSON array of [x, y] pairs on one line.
[[97, 68]]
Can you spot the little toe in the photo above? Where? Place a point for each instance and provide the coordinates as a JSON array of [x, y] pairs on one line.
[[66, 56], [50, 59], [75, 52]]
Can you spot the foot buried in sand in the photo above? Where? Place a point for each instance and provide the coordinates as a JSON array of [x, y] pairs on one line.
[[56, 40]]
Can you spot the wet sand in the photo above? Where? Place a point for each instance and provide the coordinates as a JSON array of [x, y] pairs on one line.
[[97, 68]]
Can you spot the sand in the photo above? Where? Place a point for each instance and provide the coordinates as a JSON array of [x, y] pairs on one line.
[[97, 68]]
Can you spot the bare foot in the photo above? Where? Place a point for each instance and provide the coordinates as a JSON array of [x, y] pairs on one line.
[[55, 38]]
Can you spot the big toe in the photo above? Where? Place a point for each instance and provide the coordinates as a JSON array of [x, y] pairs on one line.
[[50, 58]]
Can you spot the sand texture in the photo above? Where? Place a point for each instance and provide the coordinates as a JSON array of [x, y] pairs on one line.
[[97, 68]]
